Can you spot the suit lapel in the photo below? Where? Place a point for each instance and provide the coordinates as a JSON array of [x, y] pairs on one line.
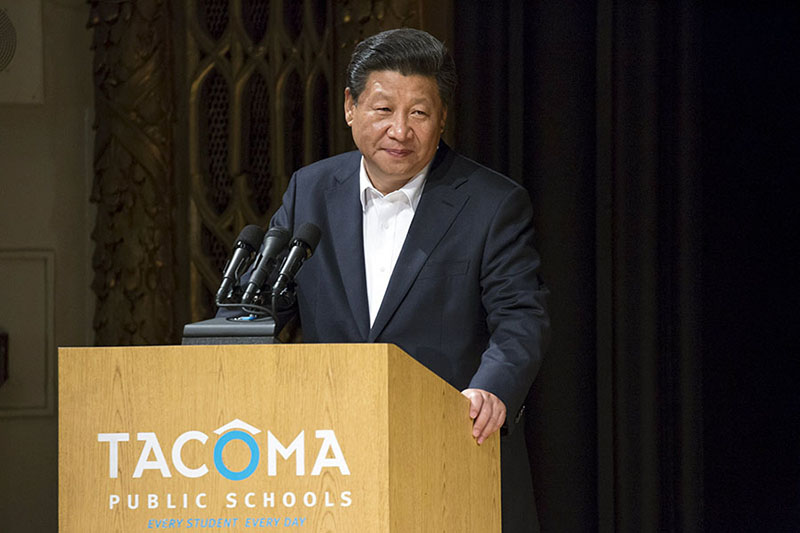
[[344, 212], [437, 209]]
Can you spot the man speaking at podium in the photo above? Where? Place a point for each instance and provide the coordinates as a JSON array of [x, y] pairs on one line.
[[424, 248]]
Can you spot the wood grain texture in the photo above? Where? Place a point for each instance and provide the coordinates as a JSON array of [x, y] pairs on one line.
[[439, 478], [285, 389]]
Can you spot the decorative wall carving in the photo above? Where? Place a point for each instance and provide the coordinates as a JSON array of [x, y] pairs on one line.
[[134, 259], [258, 91]]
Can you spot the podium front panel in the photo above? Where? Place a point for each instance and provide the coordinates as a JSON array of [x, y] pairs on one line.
[[193, 437]]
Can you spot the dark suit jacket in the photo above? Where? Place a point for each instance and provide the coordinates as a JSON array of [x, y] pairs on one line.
[[464, 298]]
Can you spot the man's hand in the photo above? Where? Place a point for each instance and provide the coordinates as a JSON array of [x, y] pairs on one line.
[[487, 411]]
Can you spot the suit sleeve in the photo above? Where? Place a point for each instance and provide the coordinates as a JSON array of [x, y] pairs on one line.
[[284, 216], [514, 299]]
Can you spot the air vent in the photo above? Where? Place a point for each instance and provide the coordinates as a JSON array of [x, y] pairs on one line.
[[21, 53], [8, 40]]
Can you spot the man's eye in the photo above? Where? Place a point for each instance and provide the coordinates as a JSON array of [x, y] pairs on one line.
[[383, 109], [419, 113]]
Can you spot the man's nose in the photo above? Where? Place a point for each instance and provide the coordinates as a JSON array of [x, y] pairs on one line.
[[399, 128]]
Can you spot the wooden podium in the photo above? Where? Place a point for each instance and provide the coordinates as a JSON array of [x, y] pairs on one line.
[[315, 437]]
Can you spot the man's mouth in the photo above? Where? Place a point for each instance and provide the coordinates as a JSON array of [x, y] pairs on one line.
[[397, 152]]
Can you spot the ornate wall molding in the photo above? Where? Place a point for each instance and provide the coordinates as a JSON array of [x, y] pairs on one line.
[[133, 261], [258, 103], [28, 317]]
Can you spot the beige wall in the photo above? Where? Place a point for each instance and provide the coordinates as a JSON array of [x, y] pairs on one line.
[[45, 176]]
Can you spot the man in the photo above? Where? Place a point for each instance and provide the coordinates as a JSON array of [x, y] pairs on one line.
[[424, 248]]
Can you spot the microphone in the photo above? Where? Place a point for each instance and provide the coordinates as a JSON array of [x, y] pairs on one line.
[[246, 244], [274, 242], [302, 247]]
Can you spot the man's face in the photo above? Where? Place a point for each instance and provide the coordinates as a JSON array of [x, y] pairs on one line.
[[396, 125]]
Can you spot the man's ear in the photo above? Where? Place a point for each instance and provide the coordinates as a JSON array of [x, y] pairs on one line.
[[444, 118], [349, 106]]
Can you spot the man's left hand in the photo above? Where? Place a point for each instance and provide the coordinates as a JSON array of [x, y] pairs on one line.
[[487, 411]]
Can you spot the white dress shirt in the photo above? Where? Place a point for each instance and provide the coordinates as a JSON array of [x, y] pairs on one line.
[[386, 219]]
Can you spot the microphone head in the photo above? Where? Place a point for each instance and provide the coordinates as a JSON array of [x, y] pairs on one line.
[[280, 235], [309, 234], [250, 237]]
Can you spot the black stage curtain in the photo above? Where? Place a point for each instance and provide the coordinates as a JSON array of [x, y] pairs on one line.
[[751, 355], [624, 121]]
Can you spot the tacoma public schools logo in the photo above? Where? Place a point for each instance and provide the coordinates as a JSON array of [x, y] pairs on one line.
[[152, 455]]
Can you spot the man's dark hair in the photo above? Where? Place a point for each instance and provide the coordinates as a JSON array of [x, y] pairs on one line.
[[407, 51]]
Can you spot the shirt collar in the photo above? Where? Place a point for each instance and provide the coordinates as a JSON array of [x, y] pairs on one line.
[[412, 189]]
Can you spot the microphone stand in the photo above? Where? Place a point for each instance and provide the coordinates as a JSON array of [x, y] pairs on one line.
[[255, 327]]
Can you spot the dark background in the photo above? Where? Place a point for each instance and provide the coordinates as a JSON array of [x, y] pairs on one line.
[[659, 142], [750, 102]]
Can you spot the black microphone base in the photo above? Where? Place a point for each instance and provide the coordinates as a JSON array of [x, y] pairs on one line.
[[237, 330]]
